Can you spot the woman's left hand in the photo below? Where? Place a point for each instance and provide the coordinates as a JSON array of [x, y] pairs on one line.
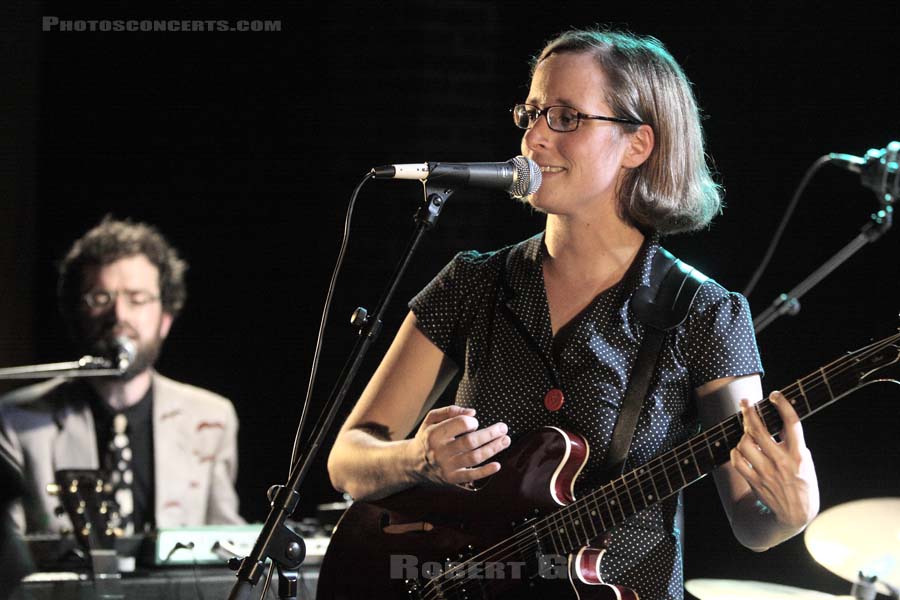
[[781, 474]]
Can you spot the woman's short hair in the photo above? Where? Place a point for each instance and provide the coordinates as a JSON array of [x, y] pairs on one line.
[[673, 190]]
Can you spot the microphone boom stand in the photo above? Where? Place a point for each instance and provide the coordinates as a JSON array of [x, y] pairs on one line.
[[86, 366], [789, 303], [276, 541]]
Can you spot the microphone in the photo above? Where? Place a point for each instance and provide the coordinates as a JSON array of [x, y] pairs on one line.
[[125, 353], [519, 176], [877, 169]]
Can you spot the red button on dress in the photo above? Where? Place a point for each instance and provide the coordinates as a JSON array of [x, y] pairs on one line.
[[554, 399]]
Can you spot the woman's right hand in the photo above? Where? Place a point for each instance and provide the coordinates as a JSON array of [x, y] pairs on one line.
[[451, 448]]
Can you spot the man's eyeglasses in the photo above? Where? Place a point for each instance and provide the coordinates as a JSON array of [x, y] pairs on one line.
[[559, 118], [102, 299]]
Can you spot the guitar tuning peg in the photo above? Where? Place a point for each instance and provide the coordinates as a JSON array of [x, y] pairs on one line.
[[59, 511], [53, 489]]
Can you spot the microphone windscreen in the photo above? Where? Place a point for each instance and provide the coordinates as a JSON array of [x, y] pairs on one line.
[[528, 177]]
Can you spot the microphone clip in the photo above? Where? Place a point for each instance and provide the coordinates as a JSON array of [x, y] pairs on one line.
[[436, 197], [879, 173]]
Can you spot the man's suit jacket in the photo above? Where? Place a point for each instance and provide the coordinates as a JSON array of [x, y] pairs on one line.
[[46, 427]]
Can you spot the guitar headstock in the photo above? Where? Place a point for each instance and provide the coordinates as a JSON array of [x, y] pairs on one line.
[[84, 498], [877, 362]]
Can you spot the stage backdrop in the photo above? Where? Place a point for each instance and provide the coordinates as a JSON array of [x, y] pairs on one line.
[[244, 147]]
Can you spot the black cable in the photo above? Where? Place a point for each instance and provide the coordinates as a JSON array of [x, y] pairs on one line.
[[268, 580], [784, 221], [318, 351], [328, 301]]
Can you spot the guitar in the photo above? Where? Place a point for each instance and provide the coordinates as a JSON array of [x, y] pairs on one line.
[[523, 534], [84, 497]]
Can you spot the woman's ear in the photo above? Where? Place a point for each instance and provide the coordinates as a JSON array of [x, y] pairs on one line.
[[640, 146]]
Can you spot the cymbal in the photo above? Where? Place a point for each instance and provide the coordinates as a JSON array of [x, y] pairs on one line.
[[863, 535], [739, 589]]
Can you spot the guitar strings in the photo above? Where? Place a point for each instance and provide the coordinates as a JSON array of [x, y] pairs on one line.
[[732, 425]]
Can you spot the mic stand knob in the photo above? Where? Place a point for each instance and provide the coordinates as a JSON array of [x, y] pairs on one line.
[[364, 323], [786, 304], [359, 318]]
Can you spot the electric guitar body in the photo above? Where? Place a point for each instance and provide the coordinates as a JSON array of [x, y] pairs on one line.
[[431, 534]]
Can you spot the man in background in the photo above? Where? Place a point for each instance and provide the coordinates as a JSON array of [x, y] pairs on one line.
[[168, 449]]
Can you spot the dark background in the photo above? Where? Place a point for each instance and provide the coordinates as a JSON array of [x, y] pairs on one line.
[[244, 148]]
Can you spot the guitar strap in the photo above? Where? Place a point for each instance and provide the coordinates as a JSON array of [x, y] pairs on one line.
[[660, 307]]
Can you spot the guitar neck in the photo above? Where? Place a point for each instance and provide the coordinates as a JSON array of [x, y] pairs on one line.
[[587, 518]]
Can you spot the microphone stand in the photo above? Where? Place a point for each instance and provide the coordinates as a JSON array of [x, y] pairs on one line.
[[86, 366], [276, 541], [789, 303], [104, 566]]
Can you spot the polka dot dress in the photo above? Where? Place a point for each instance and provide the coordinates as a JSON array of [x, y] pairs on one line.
[[489, 313]]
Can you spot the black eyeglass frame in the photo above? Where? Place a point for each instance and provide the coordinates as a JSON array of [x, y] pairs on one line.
[[580, 117]]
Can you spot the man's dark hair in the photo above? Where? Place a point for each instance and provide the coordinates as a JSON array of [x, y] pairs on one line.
[[110, 241]]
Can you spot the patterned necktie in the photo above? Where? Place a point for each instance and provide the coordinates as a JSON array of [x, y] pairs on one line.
[[121, 476]]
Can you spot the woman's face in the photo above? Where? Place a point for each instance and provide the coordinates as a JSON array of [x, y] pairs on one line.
[[581, 168]]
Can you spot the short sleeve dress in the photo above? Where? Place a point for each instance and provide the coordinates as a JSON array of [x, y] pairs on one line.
[[488, 312]]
